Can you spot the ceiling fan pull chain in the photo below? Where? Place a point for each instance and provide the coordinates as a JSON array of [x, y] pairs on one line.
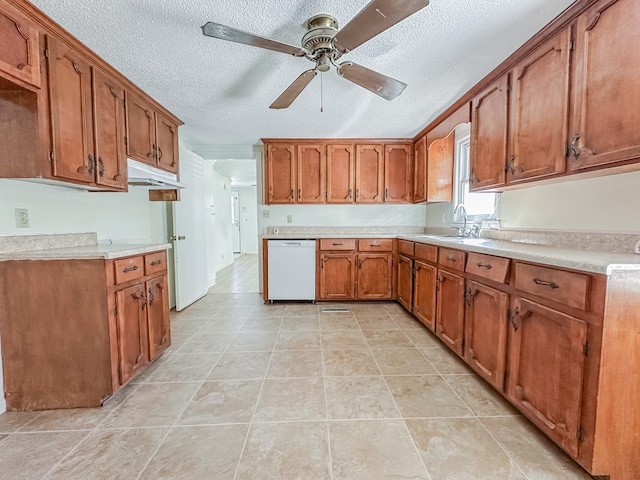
[[321, 92]]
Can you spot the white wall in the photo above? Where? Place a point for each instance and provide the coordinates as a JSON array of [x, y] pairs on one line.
[[248, 219], [603, 204], [117, 216], [344, 215]]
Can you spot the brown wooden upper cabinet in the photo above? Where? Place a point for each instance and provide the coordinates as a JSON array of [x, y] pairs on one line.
[[19, 47], [280, 173], [420, 170], [152, 137], [606, 86], [397, 173], [369, 173], [341, 174], [312, 173], [441, 154], [87, 120]]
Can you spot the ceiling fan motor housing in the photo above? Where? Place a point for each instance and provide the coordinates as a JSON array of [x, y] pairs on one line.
[[318, 40]]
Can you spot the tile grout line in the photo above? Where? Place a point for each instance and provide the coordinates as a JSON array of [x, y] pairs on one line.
[[255, 406], [326, 404], [171, 427], [402, 419]]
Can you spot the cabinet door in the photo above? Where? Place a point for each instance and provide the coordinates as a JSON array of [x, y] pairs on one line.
[[486, 332], [489, 136], [540, 111], [441, 154], [340, 174], [71, 113], [369, 173], [133, 347], [337, 276], [397, 173], [141, 130], [375, 276], [312, 173], [606, 103], [420, 170], [405, 282], [281, 173], [424, 294], [158, 316], [167, 153], [546, 368], [108, 124], [450, 318], [19, 49]]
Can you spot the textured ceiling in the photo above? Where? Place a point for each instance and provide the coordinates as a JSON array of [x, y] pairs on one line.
[[222, 91]]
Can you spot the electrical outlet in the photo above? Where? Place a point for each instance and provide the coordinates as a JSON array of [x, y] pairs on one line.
[[289, 218], [637, 249], [22, 218], [265, 214]]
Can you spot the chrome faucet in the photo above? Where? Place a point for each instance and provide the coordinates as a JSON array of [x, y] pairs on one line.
[[462, 232]]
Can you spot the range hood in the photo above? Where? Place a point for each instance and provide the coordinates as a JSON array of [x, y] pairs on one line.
[[148, 176]]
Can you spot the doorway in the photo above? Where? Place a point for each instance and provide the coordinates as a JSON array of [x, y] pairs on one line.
[[235, 223]]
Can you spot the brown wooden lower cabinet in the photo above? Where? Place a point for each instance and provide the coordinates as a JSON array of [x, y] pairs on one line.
[[375, 276], [424, 294], [450, 307], [485, 335], [337, 276], [75, 331], [405, 282], [547, 357]]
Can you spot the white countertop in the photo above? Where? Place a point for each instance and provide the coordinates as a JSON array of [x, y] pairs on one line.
[[100, 251], [577, 259]]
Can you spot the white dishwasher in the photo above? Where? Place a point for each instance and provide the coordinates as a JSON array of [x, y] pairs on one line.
[[291, 270]]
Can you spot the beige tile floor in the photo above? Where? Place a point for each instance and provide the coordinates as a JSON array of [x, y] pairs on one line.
[[253, 391]]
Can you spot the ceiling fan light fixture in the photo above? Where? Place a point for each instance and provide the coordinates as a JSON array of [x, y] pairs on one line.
[[323, 63]]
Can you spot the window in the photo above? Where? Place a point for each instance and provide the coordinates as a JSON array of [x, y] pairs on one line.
[[480, 206]]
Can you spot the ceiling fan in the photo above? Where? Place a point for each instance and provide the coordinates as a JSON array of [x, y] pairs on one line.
[[324, 44]]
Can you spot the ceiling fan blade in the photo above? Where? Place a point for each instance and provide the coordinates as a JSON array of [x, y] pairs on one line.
[[373, 19], [216, 30], [293, 90], [387, 87]]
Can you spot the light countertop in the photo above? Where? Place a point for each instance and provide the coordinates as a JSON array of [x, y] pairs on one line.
[[104, 251]]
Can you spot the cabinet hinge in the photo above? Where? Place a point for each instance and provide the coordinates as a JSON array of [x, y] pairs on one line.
[[125, 140], [120, 371], [580, 433], [52, 156], [572, 45], [115, 309], [585, 349]]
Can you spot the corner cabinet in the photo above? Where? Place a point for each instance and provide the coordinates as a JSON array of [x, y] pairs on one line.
[[280, 173], [107, 319]]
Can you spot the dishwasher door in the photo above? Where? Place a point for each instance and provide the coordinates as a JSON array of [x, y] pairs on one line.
[[291, 270]]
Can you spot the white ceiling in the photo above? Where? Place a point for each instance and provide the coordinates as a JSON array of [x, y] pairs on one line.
[[222, 90]]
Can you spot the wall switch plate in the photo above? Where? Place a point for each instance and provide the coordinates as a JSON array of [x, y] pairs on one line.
[[637, 249], [289, 218], [22, 218], [265, 213]]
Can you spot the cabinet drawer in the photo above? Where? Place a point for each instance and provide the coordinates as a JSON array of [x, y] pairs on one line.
[[453, 259], [373, 245], [128, 269], [337, 244], [428, 253], [488, 266], [155, 262], [405, 247], [569, 288]]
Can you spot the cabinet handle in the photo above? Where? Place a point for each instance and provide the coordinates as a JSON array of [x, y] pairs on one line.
[[468, 296], [291, 194], [451, 258], [484, 265], [508, 166], [154, 152], [130, 269], [101, 167], [545, 283], [473, 178], [299, 193], [374, 244], [87, 169], [357, 194], [572, 149], [151, 297], [515, 314], [386, 194], [160, 154], [350, 192], [156, 262], [337, 244], [140, 297]]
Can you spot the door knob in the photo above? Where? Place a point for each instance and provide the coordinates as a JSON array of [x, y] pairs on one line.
[[179, 237]]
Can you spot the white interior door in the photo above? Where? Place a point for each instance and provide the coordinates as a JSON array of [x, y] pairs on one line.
[[235, 222], [189, 232]]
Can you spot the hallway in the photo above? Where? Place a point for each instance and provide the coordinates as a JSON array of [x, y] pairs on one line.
[[239, 277]]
